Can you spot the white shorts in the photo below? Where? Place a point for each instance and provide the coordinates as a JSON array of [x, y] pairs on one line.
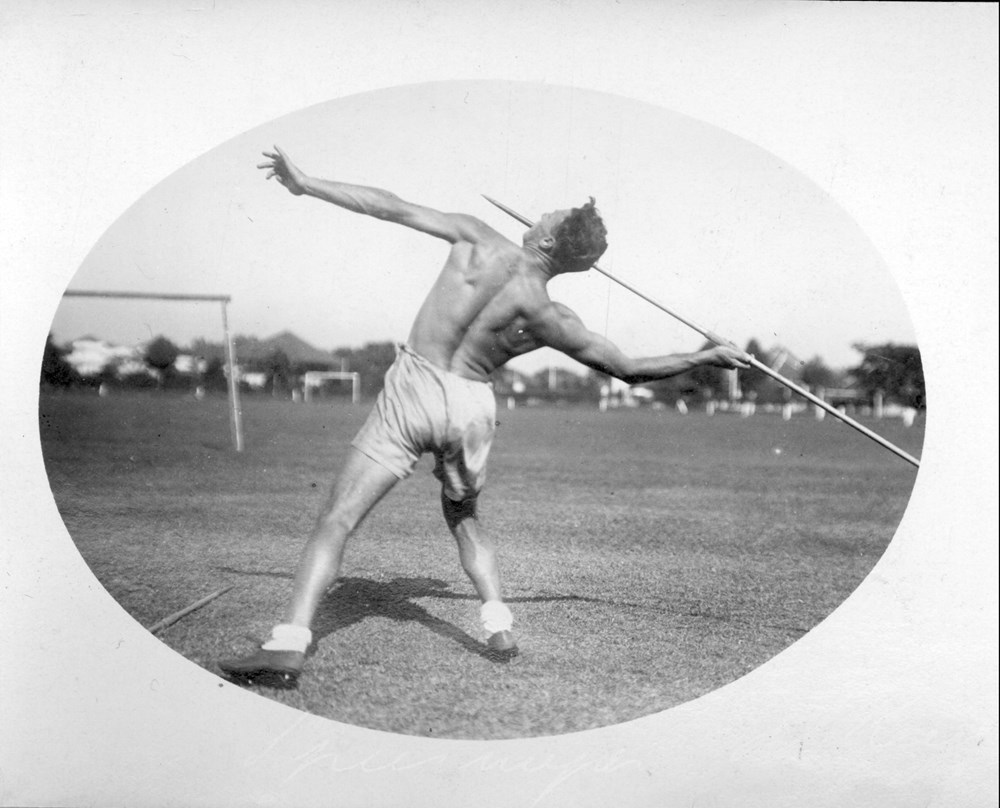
[[423, 408]]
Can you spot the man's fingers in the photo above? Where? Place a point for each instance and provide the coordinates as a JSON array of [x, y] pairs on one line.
[[736, 359]]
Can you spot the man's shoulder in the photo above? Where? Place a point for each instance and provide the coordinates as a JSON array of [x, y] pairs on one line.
[[489, 247], [478, 232], [541, 310]]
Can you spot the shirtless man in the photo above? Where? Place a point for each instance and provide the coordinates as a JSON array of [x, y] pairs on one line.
[[488, 305]]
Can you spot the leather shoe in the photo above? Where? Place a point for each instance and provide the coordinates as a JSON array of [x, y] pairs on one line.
[[501, 647], [275, 669]]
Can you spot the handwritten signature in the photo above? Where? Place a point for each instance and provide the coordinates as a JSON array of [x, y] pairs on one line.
[[329, 756]]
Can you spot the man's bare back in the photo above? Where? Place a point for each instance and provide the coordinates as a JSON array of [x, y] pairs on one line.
[[478, 314]]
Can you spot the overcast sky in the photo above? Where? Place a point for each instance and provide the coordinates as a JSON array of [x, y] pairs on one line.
[[713, 226]]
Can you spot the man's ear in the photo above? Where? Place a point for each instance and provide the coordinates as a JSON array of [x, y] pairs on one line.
[[547, 243]]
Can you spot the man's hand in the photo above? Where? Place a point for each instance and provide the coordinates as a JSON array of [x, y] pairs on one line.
[[724, 356], [286, 172]]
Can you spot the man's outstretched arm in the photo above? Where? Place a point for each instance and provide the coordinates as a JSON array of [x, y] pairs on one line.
[[559, 327], [375, 202]]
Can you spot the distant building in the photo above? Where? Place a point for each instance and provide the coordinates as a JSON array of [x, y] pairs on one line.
[[616, 393], [89, 356], [188, 364], [253, 379]]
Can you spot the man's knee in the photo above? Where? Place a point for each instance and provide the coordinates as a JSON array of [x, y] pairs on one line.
[[457, 511]]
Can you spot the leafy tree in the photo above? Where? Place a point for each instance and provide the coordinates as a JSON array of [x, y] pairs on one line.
[[279, 371], [208, 351], [580, 386], [506, 381], [371, 361], [707, 381], [815, 374], [894, 370], [160, 355], [214, 377], [752, 381], [565, 384], [759, 386], [107, 375], [137, 381], [673, 388], [56, 371]]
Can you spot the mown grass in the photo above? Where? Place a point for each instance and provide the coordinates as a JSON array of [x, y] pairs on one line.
[[648, 557]]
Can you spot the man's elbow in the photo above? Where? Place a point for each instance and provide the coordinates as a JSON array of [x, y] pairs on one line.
[[624, 371], [390, 209]]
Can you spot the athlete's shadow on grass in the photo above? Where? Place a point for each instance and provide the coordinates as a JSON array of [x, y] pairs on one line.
[[352, 600]]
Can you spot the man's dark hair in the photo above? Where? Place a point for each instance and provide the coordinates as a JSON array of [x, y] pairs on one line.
[[581, 238]]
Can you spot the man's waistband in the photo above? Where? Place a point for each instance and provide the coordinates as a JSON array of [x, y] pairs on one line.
[[403, 348]]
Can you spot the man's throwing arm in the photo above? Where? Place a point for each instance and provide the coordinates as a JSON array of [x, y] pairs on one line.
[[559, 327], [381, 204], [376, 202]]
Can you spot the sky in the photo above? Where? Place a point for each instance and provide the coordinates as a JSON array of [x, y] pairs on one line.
[[710, 224]]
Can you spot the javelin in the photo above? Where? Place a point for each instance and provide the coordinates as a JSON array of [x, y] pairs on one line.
[[713, 337], [173, 618]]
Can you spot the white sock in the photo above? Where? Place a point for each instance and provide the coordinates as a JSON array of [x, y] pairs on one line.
[[495, 616], [288, 637]]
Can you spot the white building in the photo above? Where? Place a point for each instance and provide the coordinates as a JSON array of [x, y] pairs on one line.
[[89, 356]]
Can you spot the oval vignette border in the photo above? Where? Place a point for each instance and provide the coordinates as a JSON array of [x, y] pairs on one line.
[[440, 97]]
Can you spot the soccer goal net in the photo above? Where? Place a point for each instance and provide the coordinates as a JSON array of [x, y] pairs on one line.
[[313, 381]]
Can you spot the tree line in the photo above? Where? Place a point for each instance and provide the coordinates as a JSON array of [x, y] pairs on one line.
[[891, 370]]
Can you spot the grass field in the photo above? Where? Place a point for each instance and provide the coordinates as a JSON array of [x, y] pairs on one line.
[[648, 557]]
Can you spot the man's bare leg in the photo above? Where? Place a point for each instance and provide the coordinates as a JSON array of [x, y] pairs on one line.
[[478, 556], [361, 484]]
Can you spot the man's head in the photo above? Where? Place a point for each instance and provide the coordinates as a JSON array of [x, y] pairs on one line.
[[572, 239]]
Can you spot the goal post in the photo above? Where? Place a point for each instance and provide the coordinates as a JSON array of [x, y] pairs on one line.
[[314, 378], [235, 410]]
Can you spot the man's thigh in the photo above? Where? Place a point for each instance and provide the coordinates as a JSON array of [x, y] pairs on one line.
[[361, 484]]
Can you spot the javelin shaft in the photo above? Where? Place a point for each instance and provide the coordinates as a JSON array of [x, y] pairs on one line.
[[709, 335], [144, 295], [713, 337], [833, 411], [173, 618]]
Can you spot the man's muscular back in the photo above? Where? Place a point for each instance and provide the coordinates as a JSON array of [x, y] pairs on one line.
[[477, 315]]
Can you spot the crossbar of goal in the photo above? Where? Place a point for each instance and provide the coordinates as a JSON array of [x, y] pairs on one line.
[[314, 378], [235, 410]]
